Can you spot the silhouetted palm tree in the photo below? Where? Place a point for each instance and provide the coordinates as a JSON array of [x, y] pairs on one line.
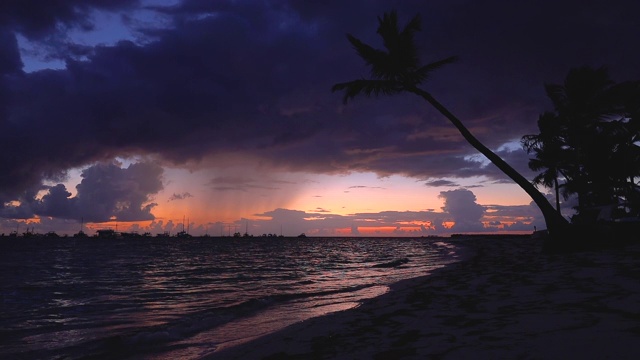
[[579, 105], [596, 122], [547, 147], [398, 70]]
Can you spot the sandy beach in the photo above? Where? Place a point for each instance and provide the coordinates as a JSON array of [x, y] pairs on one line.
[[506, 300]]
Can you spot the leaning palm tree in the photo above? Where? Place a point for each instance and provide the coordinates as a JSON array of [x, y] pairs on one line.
[[398, 70]]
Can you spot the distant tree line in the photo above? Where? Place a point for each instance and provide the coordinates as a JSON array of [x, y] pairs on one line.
[[589, 145]]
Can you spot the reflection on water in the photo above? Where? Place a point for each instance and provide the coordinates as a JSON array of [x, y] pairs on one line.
[[118, 298]]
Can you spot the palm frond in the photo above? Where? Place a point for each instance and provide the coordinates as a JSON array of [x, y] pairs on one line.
[[393, 69], [531, 142], [423, 72], [557, 95], [388, 28], [391, 35], [414, 25], [367, 88], [440, 63], [369, 54], [402, 53], [406, 44]]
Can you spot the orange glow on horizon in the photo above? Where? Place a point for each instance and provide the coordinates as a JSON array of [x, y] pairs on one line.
[[215, 201]]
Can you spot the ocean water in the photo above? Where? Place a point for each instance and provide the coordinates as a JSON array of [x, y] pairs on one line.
[[167, 298]]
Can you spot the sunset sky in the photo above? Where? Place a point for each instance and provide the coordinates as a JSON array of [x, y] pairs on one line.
[[145, 114]]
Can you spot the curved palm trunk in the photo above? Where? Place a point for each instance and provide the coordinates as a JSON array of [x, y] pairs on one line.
[[554, 220]]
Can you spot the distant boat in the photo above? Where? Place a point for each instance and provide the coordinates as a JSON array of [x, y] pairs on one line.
[[107, 234], [80, 234], [183, 234], [30, 233]]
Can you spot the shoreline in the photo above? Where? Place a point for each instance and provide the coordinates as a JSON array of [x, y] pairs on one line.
[[503, 299]]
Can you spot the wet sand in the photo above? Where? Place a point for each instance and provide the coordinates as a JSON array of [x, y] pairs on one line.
[[506, 300]]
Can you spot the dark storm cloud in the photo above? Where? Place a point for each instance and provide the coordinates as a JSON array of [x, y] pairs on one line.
[[253, 79], [10, 61], [106, 192], [36, 19], [124, 193]]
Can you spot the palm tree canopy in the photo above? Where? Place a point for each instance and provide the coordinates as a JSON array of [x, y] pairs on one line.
[[395, 69], [582, 94], [590, 139]]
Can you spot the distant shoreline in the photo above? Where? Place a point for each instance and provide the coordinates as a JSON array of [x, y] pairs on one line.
[[137, 237]]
